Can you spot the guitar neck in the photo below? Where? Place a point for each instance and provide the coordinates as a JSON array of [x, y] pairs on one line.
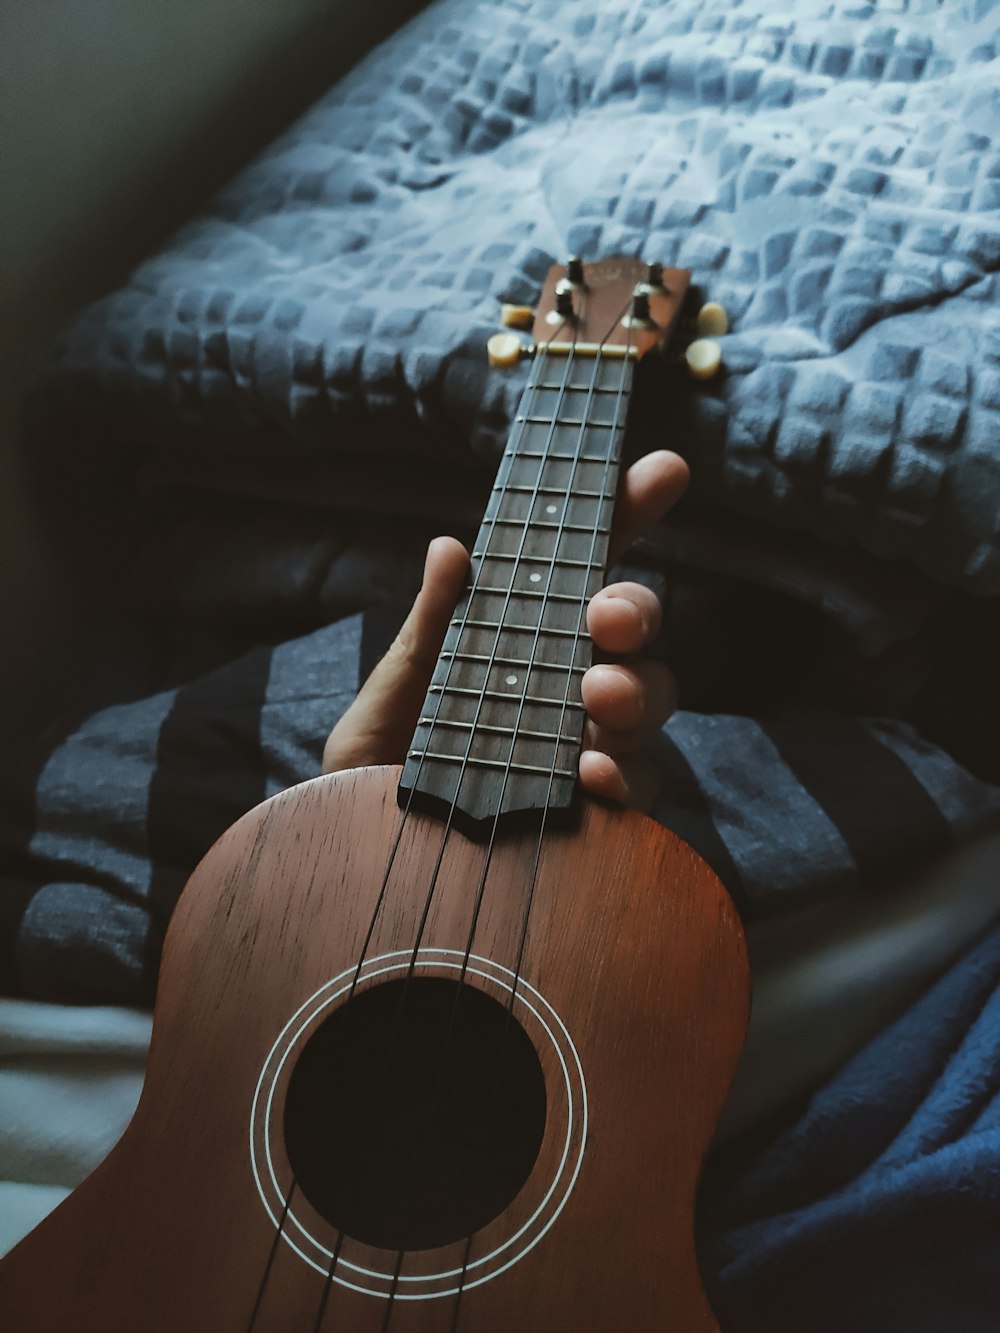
[[502, 724], [500, 731]]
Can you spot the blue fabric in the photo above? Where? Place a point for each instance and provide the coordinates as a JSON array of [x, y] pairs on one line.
[[828, 171], [879, 1210], [101, 824]]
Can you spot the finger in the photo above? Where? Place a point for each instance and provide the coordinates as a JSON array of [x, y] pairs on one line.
[[619, 697], [650, 487], [623, 617], [377, 727], [632, 781]]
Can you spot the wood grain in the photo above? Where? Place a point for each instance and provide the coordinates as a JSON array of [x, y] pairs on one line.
[[633, 942]]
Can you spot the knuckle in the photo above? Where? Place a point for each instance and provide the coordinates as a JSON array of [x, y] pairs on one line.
[[404, 651]]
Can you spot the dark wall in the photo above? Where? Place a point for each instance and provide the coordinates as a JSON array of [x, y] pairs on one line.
[[117, 119]]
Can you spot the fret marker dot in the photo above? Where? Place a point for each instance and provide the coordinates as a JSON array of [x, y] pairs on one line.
[[535, 578], [550, 509], [511, 680]]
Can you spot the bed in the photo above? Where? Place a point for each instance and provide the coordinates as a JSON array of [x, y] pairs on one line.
[[246, 447]]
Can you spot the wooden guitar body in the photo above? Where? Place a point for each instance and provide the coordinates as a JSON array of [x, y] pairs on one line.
[[634, 1002]]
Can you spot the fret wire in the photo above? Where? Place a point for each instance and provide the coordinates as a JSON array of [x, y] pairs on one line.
[[556, 458], [498, 694], [475, 761], [533, 559], [555, 490], [511, 661], [521, 732], [565, 703], [530, 592], [579, 388], [551, 527], [530, 391], [518, 629], [572, 421], [526, 914], [567, 375], [495, 520]]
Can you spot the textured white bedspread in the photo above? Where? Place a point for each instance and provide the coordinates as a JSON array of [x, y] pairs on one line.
[[70, 1079]]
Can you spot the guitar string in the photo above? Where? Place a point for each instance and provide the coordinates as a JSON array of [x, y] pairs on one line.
[[392, 1292], [578, 457], [569, 684], [270, 1258], [579, 620], [457, 1310], [294, 1181], [613, 456], [508, 594], [390, 1045], [531, 663], [533, 385], [328, 1284], [528, 399], [566, 380]]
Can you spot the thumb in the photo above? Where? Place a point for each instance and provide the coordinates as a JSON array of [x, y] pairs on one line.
[[379, 724]]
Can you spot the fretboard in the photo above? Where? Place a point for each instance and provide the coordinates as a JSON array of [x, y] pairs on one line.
[[500, 731]]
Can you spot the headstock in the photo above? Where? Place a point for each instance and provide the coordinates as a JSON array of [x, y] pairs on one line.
[[618, 307], [621, 306]]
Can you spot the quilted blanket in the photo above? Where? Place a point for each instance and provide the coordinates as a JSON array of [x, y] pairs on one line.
[[215, 438], [829, 171]]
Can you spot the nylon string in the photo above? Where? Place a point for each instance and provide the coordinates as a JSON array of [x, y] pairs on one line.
[[506, 470], [577, 459], [609, 460], [528, 398], [566, 381]]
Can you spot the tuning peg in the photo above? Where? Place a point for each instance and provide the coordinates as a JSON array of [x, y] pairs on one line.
[[516, 316], [564, 307], [574, 271], [505, 350], [639, 315], [703, 357], [654, 275], [640, 306], [713, 320]]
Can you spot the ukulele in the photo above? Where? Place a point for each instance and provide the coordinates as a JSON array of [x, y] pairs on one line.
[[438, 1049]]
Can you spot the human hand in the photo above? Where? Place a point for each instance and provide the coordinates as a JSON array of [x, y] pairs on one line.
[[627, 699]]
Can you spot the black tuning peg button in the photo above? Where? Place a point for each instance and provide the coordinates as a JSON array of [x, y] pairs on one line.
[[640, 307], [574, 271], [564, 303]]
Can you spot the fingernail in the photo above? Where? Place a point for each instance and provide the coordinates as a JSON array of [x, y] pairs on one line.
[[636, 609]]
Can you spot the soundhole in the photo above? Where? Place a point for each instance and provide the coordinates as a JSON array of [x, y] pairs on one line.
[[415, 1113]]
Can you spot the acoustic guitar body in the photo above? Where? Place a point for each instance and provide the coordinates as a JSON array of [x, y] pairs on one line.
[[451, 1139], [452, 1068]]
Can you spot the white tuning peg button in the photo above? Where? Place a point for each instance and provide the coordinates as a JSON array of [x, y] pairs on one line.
[[516, 316], [504, 349], [703, 357], [713, 320]]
